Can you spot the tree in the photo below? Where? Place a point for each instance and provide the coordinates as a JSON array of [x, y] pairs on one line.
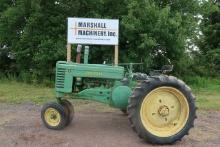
[[156, 31], [151, 31], [210, 40], [11, 23]]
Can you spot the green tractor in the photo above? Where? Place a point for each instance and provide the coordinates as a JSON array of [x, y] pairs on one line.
[[161, 108]]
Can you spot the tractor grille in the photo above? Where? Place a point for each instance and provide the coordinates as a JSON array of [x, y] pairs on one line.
[[60, 78]]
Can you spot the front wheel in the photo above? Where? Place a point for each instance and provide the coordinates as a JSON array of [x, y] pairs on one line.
[[162, 109], [54, 116], [69, 110]]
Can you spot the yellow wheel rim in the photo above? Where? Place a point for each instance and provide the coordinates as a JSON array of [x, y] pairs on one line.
[[164, 111], [52, 117]]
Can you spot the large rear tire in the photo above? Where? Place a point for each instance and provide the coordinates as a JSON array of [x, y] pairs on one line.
[[162, 109]]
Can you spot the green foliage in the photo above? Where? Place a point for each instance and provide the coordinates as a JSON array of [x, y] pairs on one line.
[[157, 31], [33, 33], [198, 82], [210, 40]]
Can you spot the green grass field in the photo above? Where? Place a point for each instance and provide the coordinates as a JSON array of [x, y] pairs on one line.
[[16, 92], [207, 95]]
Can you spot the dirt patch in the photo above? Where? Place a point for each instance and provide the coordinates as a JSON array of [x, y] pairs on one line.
[[20, 125]]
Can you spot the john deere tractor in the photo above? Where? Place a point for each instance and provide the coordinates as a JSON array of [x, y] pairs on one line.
[[161, 108]]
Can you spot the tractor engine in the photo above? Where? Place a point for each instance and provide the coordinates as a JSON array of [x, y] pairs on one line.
[[80, 84]]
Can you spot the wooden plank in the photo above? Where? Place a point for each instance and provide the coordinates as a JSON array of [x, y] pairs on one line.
[[68, 52], [116, 55]]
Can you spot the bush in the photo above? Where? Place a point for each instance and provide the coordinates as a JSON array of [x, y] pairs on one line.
[[202, 82], [27, 77]]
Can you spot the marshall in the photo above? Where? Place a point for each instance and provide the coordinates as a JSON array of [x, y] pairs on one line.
[[91, 25]]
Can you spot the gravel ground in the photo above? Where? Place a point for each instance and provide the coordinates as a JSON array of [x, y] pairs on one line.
[[20, 125]]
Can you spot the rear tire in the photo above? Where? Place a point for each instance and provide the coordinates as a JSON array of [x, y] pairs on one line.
[[140, 76], [160, 121]]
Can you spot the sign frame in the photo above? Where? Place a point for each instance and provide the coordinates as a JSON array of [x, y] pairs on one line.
[[93, 31], [93, 20]]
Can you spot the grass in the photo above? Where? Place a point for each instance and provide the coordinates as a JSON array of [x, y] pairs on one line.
[[208, 99], [207, 93], [12, 92], [16, 92]]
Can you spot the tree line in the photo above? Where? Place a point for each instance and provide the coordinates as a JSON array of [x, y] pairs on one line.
[[185, 33]]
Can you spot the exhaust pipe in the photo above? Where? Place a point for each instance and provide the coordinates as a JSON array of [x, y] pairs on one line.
[[78, 56]]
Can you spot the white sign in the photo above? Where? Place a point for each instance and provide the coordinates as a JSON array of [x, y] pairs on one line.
[[93, 31]]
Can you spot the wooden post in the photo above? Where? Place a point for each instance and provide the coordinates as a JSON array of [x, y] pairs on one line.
[[116, 55], [68, 52]]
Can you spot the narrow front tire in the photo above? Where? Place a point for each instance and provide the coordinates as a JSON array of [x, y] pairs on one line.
[[69, 110], [54, 116]]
